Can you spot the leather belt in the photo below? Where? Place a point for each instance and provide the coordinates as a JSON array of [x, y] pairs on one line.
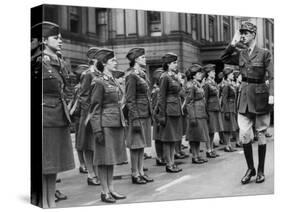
[[250, 80], [111, 105]]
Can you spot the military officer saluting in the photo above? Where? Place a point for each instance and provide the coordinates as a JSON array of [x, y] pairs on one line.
[[255, 96]]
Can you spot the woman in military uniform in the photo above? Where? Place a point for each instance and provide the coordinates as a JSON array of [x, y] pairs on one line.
[[170, 111], [228, 105], [107, 122], [215, 124], [139, 114], [85, 135], [57, 148], [179, 153], [237, 84], [197, 126], [156, 136], [75, 112]]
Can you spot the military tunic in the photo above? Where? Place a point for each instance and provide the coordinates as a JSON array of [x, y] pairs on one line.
[[106, 116], [139, 107], [212, 90], [254, 69], [228, 105], [196, 112], [57, 147], [170, 111]]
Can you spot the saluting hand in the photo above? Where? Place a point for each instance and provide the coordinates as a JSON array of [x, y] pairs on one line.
[[236, 38]]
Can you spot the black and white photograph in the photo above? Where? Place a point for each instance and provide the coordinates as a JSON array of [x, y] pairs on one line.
[[142, 106]]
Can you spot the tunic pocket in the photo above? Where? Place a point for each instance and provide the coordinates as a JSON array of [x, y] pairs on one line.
[[262, 94], [143, 109], [53, 113], [173, 109], [111, 117]]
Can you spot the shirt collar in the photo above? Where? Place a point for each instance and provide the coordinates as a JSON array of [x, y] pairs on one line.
[[251, 47]]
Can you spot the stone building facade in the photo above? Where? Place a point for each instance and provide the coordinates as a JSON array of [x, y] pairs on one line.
[[195, 38]]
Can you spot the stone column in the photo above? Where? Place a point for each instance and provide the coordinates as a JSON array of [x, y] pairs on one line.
[[142, 23], [131, 25], [120, 30], [92, 20]]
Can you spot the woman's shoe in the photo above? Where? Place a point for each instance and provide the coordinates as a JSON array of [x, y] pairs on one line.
[[177, 168], [203, 159], [107, 198], [197, 161], [239, 145], [232, 149], [210, 155], [160, 162], [182, 153], [117, 196], [172, 169], [147, 178], [179, 156], [229, 149], [215, 153], [138, 180], [60, 196], [83, 170], [93, 181]]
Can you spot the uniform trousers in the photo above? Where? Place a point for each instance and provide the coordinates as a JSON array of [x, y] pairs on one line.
[[247, 121]]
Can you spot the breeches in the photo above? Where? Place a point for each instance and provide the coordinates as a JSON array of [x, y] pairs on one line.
[[246, 123]]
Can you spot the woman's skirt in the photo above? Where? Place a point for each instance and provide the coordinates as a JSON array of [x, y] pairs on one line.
[[198, 133], [57, 150], [231, 124], [113, 150], [142, 139], [215, 122], [172, 131]]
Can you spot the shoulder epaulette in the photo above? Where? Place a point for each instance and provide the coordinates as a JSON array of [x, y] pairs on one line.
[[46, 58]]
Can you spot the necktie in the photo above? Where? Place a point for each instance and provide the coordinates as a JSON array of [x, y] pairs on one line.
[[249, 51]]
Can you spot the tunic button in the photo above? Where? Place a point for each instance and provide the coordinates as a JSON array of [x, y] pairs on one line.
[[50, 71]]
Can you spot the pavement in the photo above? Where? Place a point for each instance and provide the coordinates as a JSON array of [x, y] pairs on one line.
[[220, 177]]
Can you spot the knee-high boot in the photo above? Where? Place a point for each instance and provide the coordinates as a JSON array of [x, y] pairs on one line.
[[248, 152], [261, 152]]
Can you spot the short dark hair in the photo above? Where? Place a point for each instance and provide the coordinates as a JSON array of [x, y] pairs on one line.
[[132, 63], [100, 66], [192, 74], [165, 66]]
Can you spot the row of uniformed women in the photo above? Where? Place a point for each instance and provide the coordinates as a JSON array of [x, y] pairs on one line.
[[208, 112], [101, 134], [106, 121]]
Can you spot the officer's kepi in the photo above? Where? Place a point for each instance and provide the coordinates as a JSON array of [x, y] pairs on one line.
[[248, 26]]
